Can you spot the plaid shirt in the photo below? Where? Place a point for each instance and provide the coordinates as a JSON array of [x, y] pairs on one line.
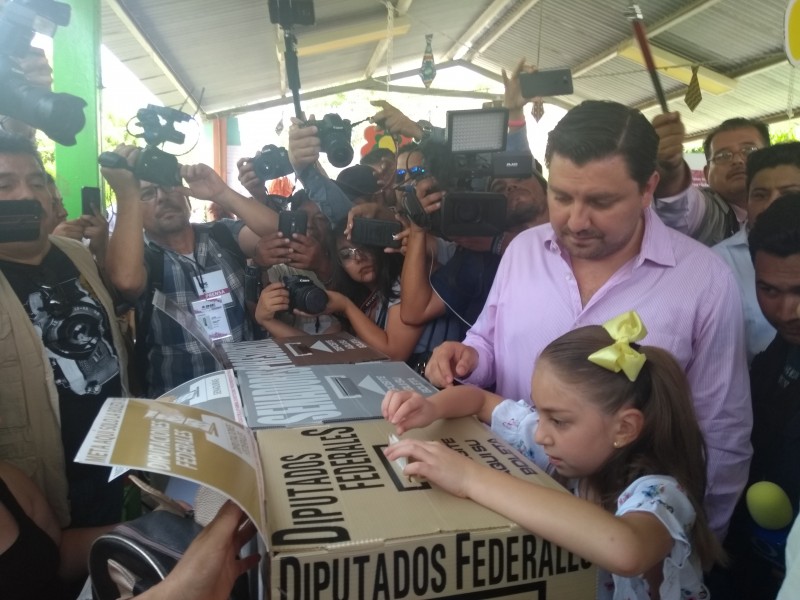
[[173, 355]]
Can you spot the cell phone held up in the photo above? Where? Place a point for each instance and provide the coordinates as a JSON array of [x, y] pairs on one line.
[[292, 221], [376, 232], [91, 204], [550, 82]]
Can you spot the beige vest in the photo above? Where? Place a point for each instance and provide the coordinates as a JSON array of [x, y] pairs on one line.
[[30, 432]]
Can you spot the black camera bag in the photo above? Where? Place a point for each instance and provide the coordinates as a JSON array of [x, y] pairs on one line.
[[135, 556]]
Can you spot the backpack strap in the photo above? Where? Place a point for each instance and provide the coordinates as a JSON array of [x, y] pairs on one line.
[[154, 259], [220, 233]]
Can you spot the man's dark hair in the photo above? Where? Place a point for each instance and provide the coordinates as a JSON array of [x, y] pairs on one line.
[[777, 230], [374, 156], [735, 123], [771, 157], [598, 129], [15, 144]]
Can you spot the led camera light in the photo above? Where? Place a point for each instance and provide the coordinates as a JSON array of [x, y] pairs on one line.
[[482, 130]]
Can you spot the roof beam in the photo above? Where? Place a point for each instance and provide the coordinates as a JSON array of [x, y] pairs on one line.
[[364, 84], [499, 30], [123, 14], [473, 33], [652, 30], [400, 9]]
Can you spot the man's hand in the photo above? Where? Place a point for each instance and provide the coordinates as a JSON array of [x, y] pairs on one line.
[[204, 184], [513, 99], [72, 229], [36, 69], [210, 566], [304, 145], [122, 180], [429, 195], [306, 253], [392, 120], [450, 360], [249, 179], [272, 249], [674, 173], [671, 132], [96, 231]]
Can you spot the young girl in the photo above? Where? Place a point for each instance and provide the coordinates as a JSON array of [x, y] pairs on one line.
[[626, 444], [366, 290]]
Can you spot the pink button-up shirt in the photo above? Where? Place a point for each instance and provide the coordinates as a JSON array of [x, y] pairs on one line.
[[687, 299]]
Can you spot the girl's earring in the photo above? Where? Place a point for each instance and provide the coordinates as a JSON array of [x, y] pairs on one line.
[[616, 444]]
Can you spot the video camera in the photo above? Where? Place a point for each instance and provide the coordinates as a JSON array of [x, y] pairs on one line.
[[58, 115], [153, 164], [464, 168]]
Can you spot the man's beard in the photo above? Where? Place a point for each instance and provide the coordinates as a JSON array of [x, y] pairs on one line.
[[523, 214]]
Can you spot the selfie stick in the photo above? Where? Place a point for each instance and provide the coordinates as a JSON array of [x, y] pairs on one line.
[[292, 69], [634, 14]]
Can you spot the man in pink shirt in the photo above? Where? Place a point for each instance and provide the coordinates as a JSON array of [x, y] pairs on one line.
[[605, 252]]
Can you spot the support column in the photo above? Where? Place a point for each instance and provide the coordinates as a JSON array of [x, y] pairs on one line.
[[76, 70]]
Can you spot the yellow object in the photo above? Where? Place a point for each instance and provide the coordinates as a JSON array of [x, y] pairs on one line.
[[619, 356], [679, 68], [769, 505], [792, 33]]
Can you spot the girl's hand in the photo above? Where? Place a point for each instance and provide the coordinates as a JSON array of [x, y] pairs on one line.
[[337, 303], [433, 461], [407, 410], [273, 299]]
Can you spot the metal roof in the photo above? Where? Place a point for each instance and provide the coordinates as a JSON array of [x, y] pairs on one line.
[[228, 58]]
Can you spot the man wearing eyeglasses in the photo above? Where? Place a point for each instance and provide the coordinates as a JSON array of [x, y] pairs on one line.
[[199, 267], [717, 212]]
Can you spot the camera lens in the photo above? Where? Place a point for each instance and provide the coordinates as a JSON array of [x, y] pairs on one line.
[[340, 153], [311, 299], [467, 211]]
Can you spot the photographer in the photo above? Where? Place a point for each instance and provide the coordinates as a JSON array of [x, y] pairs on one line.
[[302, 254], [187, 262], [304, 150], [462, 284]]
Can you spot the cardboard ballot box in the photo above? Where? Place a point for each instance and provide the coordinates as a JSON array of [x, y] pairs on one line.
[[343, 522], [338, 520]]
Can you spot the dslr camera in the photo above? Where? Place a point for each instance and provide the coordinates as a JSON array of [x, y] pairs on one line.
[[334, 134], [60, 116], [305, 295], [273, 162], [153, 164]]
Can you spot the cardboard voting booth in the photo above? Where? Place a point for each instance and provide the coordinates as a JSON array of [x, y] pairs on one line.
[[338, 519]]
